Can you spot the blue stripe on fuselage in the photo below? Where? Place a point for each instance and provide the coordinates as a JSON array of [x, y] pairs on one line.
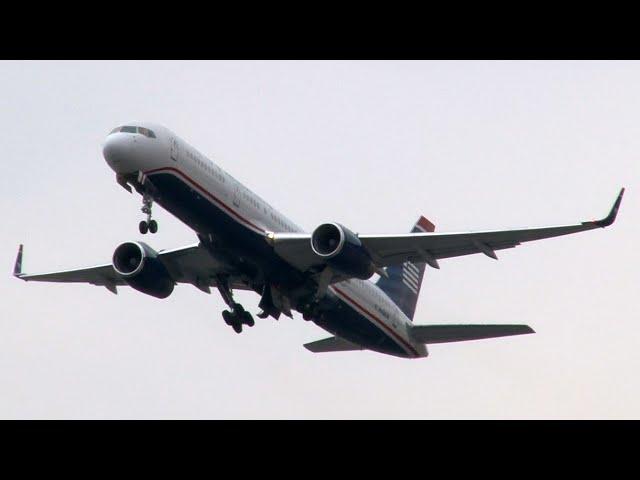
[[192, 206]]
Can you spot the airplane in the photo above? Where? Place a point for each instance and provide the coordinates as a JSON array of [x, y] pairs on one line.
[[245, 244]]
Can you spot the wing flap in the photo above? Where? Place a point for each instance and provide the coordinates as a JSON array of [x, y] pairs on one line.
[[460, 333]]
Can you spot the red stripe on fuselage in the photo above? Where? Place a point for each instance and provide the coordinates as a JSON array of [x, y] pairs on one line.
[[209, 194], [243, 219], [379, 322]]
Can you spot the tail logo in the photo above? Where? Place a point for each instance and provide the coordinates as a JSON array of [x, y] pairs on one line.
[[410, 276]]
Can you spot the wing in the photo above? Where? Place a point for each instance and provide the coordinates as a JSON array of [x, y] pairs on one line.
[[460, 333], [190, 264], [388, 250]]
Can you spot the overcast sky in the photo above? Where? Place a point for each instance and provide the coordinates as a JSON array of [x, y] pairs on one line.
[[471, 145]]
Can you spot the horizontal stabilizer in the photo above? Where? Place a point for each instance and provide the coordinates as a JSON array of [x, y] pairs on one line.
[[460, 333], [331, 344]]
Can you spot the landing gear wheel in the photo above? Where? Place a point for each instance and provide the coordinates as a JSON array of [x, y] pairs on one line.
[[247, 319], [153, 226], [237, 314], [143, 227]]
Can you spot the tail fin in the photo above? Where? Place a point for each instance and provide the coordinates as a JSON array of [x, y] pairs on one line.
[[403, 284]]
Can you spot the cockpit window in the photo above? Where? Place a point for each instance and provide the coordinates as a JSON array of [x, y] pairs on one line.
[[146, 132], [130, 129]]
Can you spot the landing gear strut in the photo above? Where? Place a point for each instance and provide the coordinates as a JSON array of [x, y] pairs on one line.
[[147, 225], [237, 316]]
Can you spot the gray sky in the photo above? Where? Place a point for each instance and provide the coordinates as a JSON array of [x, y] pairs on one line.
[[471, 145]]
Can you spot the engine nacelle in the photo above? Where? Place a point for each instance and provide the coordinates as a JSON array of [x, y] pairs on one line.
[[342, 250], [138, 264]]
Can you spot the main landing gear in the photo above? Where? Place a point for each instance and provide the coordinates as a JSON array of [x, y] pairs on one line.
[[310, 308], [147, 225], [237, 316]]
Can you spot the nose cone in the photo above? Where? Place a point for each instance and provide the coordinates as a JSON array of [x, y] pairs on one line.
[[117, 151]]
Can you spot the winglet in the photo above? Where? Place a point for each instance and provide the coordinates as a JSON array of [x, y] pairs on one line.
[[609, 219], [17, 268]]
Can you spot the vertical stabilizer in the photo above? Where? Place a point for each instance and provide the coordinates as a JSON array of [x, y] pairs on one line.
[[404, 281]]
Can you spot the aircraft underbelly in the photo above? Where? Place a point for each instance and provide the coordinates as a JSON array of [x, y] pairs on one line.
[[343, 321], [201, 214], [205, 217]]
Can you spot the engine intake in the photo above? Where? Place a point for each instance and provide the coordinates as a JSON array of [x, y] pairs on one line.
[[138, 264], [342, 250], [128, 259], [328, 240]]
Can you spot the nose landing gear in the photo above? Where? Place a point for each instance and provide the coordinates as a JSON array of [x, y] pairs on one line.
[[147, 225], [151, 226]]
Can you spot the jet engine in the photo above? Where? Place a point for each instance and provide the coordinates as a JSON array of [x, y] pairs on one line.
[[342, 250], [138, 264]]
